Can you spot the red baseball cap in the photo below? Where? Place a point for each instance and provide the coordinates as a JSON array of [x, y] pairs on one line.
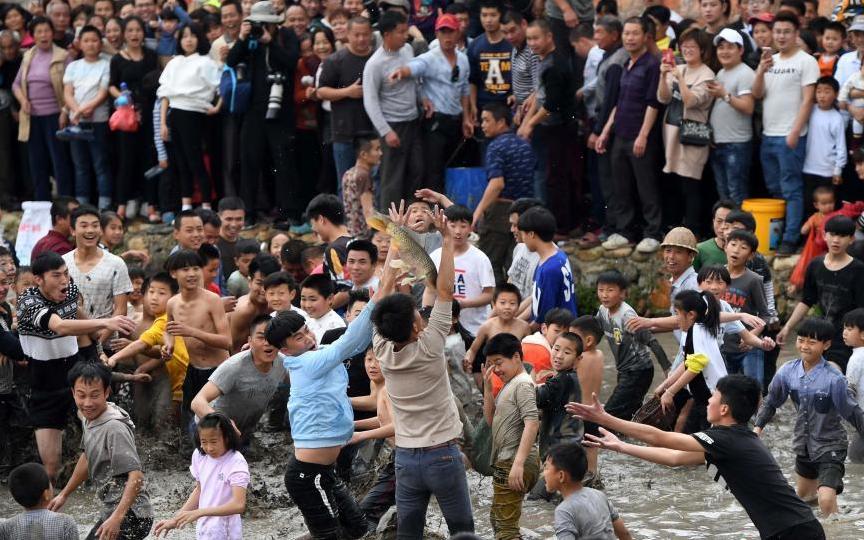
[[763, 17], [448, 20]]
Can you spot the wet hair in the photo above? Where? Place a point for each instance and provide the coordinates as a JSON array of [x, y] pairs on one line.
[[854, 319], [209, 217], [320, 283], [499, 111], [89, 29], [89, 372], [613, 277], [358, 295], [588, 324], [457, 212], [507, 288], [84, 210], [570, 336], [742, 217], [540, 221], [367, 246], [208, 253], [259, 320], [27, 483], [816, 328], [706, 307], [520, 206], [292, 251], [559, 316], [265, 264], [184, 214], [328, 206], [714, 271], [828, 81], [285, 324], [164, 278], [247, 246], [217, 420], [570, 458], [60, 208], [503, 344], [728, 204], [389, 20], [741, 394], [277, 279], [840, 226], [393, 317], [744, 236], [47, 261], [785, 16], [183, 258]]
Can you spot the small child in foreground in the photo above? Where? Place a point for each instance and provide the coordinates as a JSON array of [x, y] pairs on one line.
[[221, 479], [31, 488], [584, 512]]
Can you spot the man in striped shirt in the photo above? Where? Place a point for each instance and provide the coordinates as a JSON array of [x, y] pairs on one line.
[[524, 64]]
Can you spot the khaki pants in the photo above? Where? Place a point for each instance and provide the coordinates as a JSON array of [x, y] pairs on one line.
[[507, 503]]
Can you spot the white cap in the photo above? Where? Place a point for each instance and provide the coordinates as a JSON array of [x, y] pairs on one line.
[[857, 24], [730, 35]]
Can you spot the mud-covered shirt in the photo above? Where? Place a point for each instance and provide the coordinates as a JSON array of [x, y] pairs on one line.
[[737, 458], [632, 351]]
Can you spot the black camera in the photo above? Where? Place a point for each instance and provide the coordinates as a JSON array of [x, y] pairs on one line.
[[257, 30]]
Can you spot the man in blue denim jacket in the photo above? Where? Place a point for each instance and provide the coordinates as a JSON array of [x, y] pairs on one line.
[[821, 397]]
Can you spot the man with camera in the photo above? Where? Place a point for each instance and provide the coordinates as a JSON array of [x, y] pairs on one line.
[[270, 53]]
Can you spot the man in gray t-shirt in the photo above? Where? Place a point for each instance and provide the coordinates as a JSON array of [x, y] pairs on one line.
[[241, 387]]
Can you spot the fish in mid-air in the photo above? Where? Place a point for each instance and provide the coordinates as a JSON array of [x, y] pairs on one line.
[[413, 259]]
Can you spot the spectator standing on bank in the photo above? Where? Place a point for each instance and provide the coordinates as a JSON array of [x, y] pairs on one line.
[[524, 64], [489, 55]]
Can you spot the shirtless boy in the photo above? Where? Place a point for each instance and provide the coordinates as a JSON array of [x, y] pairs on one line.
[[590, 373], [254, 303], [198, 316]]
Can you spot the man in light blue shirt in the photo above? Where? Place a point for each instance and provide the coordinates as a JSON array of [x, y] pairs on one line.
[[445, 92]]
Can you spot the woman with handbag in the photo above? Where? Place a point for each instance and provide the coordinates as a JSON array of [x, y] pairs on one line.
[[187, 89], [39, 89], [134, 147], [686, 133]]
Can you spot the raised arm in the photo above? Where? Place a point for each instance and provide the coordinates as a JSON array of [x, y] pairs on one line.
[[446, 270]]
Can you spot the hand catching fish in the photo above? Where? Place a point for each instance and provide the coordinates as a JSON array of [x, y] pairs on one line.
[[413, 259]]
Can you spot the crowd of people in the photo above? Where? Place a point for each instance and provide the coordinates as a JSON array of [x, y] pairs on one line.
[[412, 308]]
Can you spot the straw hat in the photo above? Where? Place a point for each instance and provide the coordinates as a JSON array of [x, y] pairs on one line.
[[680, 237]]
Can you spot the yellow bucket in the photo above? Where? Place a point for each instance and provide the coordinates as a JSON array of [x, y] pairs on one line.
[[770, 217]]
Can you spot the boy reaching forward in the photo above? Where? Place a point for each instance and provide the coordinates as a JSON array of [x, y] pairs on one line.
[[731, 452], [198, 316]]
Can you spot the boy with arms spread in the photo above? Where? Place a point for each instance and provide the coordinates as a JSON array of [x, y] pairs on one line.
[[424, 411], [50, 316], [515, 422], [110, 459], [821, 397], [198, 316], [730, 450], [322, 421]]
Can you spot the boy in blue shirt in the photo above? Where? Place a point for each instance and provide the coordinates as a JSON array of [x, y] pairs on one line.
[[553, 278], [821, 397]]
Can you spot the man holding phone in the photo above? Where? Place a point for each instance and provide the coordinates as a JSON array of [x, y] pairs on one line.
[[786, 83]]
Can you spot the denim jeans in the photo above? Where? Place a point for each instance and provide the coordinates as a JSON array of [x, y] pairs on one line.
[[731, 165], [421, 473], [782, 167], [92, 157], [48, 156], [345, 158], [750, 363]]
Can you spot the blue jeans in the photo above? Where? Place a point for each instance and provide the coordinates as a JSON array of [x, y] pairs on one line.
[[92, 156], [782, 167], [750, 363], [421, 473], [345, 158], [731, 165], [48, 156]]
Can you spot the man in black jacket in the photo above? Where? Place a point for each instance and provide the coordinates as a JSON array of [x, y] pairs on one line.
[[270, 53]]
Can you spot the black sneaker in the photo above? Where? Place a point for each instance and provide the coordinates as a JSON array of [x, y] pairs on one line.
[[786, 249]]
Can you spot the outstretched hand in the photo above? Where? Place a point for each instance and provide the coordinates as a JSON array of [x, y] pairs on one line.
[[398, 215], [608, 441], [439, 220], [592, 413]]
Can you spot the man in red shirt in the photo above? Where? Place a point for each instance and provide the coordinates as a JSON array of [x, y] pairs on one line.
[[57, 239]]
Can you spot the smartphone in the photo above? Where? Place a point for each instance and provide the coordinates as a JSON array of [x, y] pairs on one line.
[[669, 56]]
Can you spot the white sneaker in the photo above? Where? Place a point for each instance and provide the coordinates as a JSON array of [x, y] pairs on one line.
[[131, 209], [648, 245], [616, 241]]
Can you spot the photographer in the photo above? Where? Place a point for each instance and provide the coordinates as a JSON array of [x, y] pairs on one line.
[[270, 53]]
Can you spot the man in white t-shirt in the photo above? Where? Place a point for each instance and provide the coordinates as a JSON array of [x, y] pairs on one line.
[[475, 280], [786, 84]]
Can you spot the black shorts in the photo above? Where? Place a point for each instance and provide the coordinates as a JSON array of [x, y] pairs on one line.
[[809, 530], [829, 469], [195, 380], [50, 405]]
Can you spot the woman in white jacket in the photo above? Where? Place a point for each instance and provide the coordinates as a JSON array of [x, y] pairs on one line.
[[187, 90]]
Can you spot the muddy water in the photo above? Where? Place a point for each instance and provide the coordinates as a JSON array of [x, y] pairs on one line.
[[655, 502]]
